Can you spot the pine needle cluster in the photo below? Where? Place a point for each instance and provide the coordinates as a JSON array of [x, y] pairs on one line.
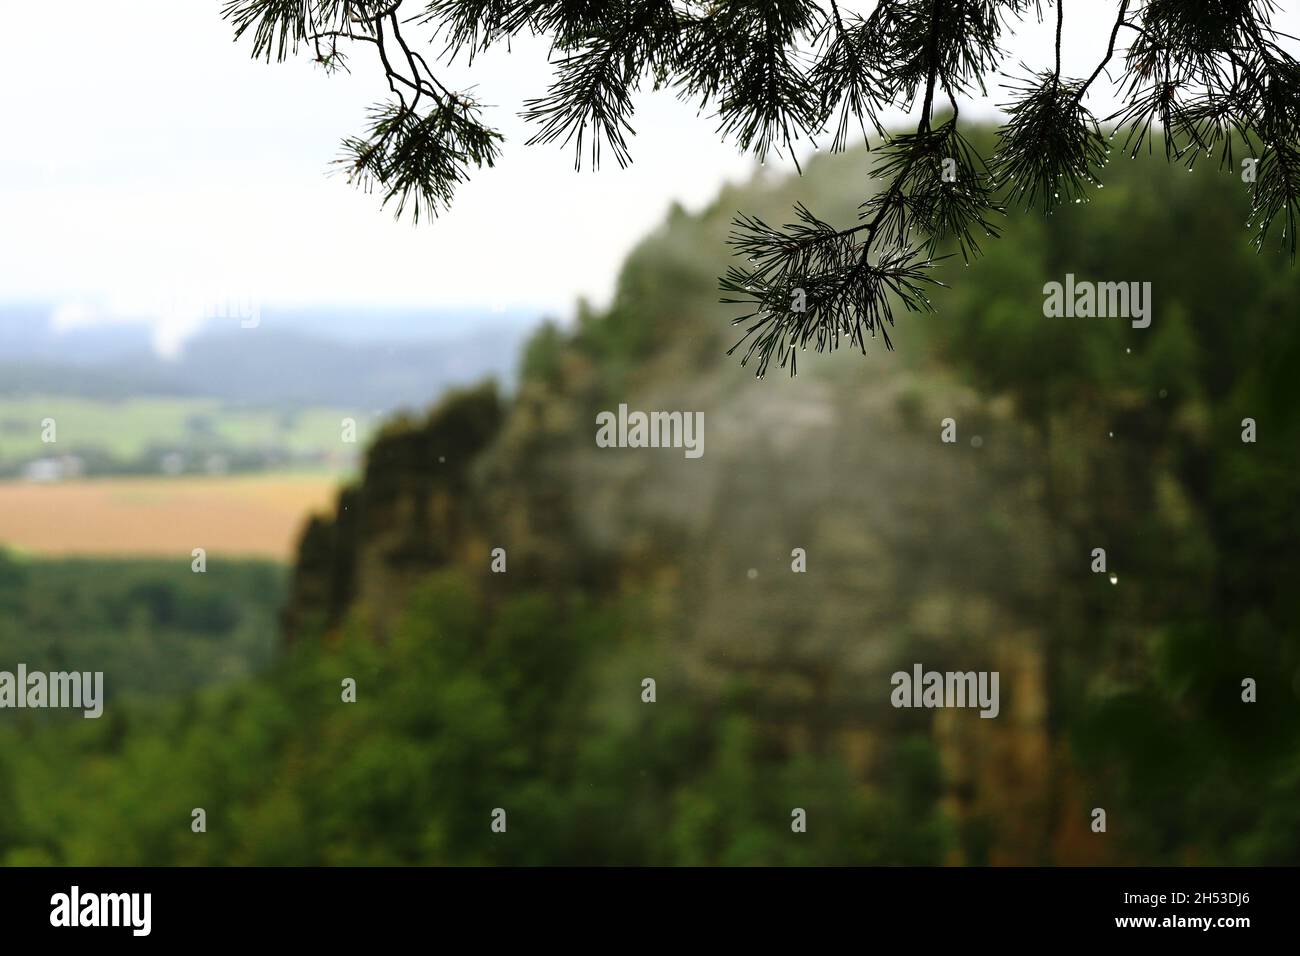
[[1209, 76]]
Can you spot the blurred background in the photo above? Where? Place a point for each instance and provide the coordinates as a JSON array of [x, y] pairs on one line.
[[474, 402]]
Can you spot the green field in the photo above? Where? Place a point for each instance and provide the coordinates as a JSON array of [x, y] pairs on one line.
[[127, 430]]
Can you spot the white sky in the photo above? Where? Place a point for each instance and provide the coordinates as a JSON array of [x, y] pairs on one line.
[[147, 160]]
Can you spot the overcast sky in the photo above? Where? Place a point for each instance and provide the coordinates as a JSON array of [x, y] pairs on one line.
[[148, 161]]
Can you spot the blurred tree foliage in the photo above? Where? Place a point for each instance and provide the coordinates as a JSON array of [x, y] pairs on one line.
[[1143, 455], [153, 627], [533, 708], [522, 691]]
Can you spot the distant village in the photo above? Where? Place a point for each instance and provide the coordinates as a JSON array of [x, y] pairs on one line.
[[174, 463]]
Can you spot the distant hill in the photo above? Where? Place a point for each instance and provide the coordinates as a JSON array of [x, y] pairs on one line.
[[272, 367], [27, 334], [378, 362], [122, 408], [354, 324], [20, 378]]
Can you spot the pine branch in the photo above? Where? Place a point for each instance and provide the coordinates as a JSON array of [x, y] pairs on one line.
[[1203, 76], [834, 271], [1277, 194], [418, 160], [809, 283], [1050, 144]]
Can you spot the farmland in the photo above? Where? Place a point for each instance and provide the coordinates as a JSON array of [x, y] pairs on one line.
[[134, 434], [242, 515]]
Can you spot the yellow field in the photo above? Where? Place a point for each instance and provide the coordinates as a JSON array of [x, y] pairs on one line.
[[245, 515]]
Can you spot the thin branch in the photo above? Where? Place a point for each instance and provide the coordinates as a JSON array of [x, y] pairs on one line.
[[1110, 50]]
